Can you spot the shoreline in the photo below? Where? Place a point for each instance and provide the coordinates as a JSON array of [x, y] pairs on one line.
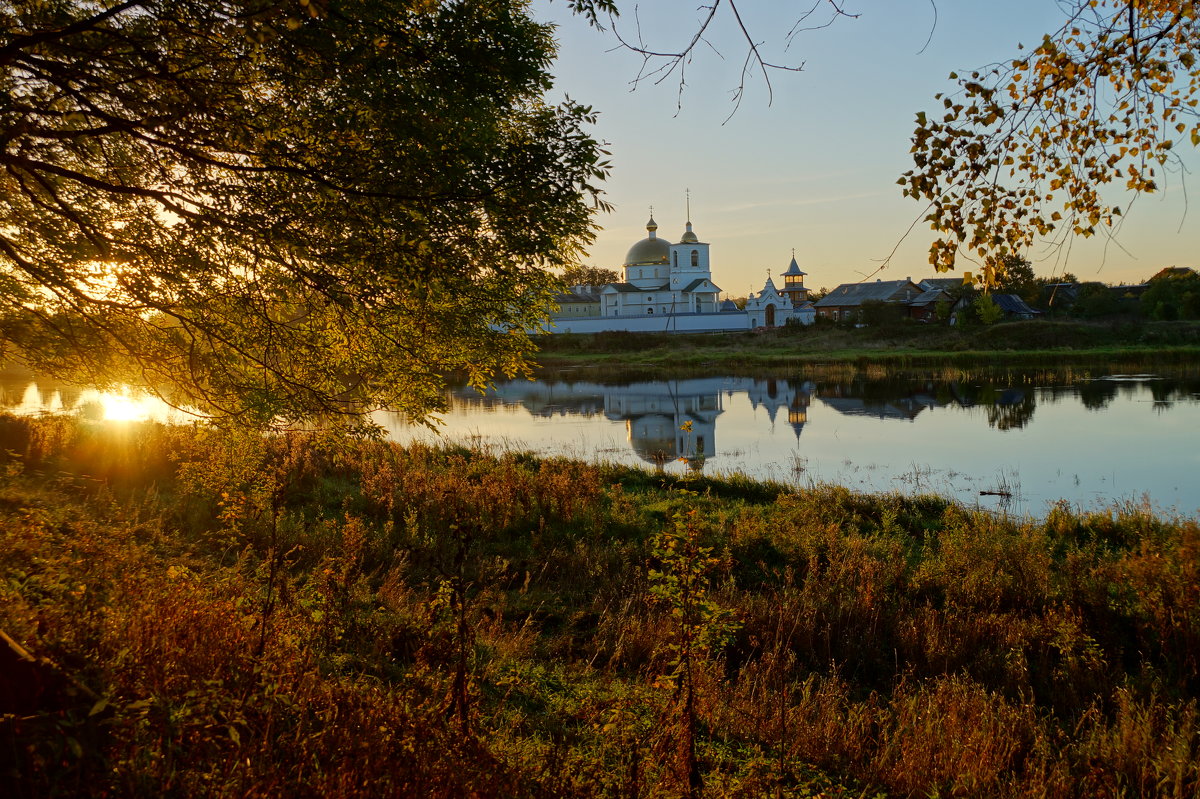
[[1049, 343]]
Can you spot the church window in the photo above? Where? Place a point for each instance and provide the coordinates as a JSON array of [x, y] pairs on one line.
[[695, 258], [650, 310], [675, 255]]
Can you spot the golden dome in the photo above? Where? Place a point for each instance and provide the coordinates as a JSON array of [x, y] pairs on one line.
[[650, 250]]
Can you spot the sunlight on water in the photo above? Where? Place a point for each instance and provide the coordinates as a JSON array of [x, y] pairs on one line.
[[122, 405], [1013, 442]]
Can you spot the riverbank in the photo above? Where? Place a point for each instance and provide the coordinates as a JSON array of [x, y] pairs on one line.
[[1049, 343], [308, 616]]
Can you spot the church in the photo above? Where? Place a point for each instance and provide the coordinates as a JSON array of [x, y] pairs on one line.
[[668, 287]]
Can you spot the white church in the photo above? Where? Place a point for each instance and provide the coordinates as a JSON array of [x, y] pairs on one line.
[[669, 288]]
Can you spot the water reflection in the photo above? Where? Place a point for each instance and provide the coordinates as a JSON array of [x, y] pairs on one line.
[[27, 396], [651, 410], [664, 420], [1033, 438], [1016, 436]]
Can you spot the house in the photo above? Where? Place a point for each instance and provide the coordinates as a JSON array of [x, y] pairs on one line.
[[1059, 296], [1173, 272], [1012, 306], [924, 306], [845, 302], [579, 301]]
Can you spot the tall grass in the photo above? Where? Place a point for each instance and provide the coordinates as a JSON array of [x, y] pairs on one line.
[[209, 614]]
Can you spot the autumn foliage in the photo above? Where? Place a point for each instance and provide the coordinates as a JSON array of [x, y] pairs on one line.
[[308, 616], [1032, 148]]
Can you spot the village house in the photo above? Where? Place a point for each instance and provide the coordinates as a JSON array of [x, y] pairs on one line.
[[1011, 306], [845, 302]]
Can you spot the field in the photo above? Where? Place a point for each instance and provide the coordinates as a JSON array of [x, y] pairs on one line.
[[193, 612], [898, 344]]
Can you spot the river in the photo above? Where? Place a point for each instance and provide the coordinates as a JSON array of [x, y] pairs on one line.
[[1017, 442]]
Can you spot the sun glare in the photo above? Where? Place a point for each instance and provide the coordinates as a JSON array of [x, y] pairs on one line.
[[121, 408], [123, 404]]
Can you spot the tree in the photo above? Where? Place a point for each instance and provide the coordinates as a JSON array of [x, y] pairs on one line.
[[987, 310], [1095, 300], [1016, 276], [1173, 296], [1025, 148], [276, 210], [658, 64], [580, 275], [876, 313]]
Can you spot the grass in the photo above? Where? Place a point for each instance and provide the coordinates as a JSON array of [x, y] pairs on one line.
[[1045, 343], [302, 615]]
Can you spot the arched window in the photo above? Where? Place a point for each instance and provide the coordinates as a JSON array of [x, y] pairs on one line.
[[695, 257], [675, 255], [650, 310]]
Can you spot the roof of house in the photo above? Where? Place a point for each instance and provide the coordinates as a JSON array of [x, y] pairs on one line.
[[879, 291], [1173, 271], [930, 296], [576, 296], [1012, 304], [942, 282]]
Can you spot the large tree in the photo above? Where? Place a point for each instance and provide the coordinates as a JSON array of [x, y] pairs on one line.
[[580, 275], [281, 209]]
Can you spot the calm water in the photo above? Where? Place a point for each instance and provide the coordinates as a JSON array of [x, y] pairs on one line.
[[1012, 443]]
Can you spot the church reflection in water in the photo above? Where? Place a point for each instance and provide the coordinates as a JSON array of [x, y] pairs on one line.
[[665, 420], [669, 420]]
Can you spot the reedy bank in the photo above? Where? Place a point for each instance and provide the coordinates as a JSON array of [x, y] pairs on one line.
[[301, 614]]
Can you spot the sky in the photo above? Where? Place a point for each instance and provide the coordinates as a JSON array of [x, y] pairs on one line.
[[813, 165]]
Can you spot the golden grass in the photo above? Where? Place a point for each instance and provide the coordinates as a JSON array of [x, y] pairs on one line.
[[307, 616]]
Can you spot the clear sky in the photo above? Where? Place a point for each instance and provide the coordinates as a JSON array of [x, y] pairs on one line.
[[815, 167]]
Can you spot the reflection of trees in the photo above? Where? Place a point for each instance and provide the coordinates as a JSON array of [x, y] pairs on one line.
[[889, 398], [1163, 390], [1097, 394], [1012, 409]]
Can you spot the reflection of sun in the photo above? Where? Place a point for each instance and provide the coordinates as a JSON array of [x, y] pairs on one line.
[[119, 408], [121, 404]]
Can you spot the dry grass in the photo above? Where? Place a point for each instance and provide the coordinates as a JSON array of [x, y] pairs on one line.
[[301, 615]]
